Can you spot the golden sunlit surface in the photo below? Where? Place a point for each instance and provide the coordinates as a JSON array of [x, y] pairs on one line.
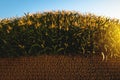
[[113, 35]]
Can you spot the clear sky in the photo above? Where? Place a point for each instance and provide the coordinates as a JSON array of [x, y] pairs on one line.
[[11, 8]]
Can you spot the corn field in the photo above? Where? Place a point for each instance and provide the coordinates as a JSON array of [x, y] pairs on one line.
[[59, 32]]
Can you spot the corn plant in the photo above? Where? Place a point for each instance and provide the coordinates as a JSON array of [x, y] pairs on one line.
[[59, 32]]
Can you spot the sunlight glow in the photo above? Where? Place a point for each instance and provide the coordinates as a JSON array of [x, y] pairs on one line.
[[114, 40]]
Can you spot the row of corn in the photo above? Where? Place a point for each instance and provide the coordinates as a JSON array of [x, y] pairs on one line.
[[59, 32]]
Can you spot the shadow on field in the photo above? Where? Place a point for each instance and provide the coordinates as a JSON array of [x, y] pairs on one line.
[[59, 67]]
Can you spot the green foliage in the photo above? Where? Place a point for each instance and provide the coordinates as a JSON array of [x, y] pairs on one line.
[[60, 32]]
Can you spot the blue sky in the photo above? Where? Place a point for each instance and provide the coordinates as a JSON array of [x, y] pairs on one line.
[[12, 8]]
